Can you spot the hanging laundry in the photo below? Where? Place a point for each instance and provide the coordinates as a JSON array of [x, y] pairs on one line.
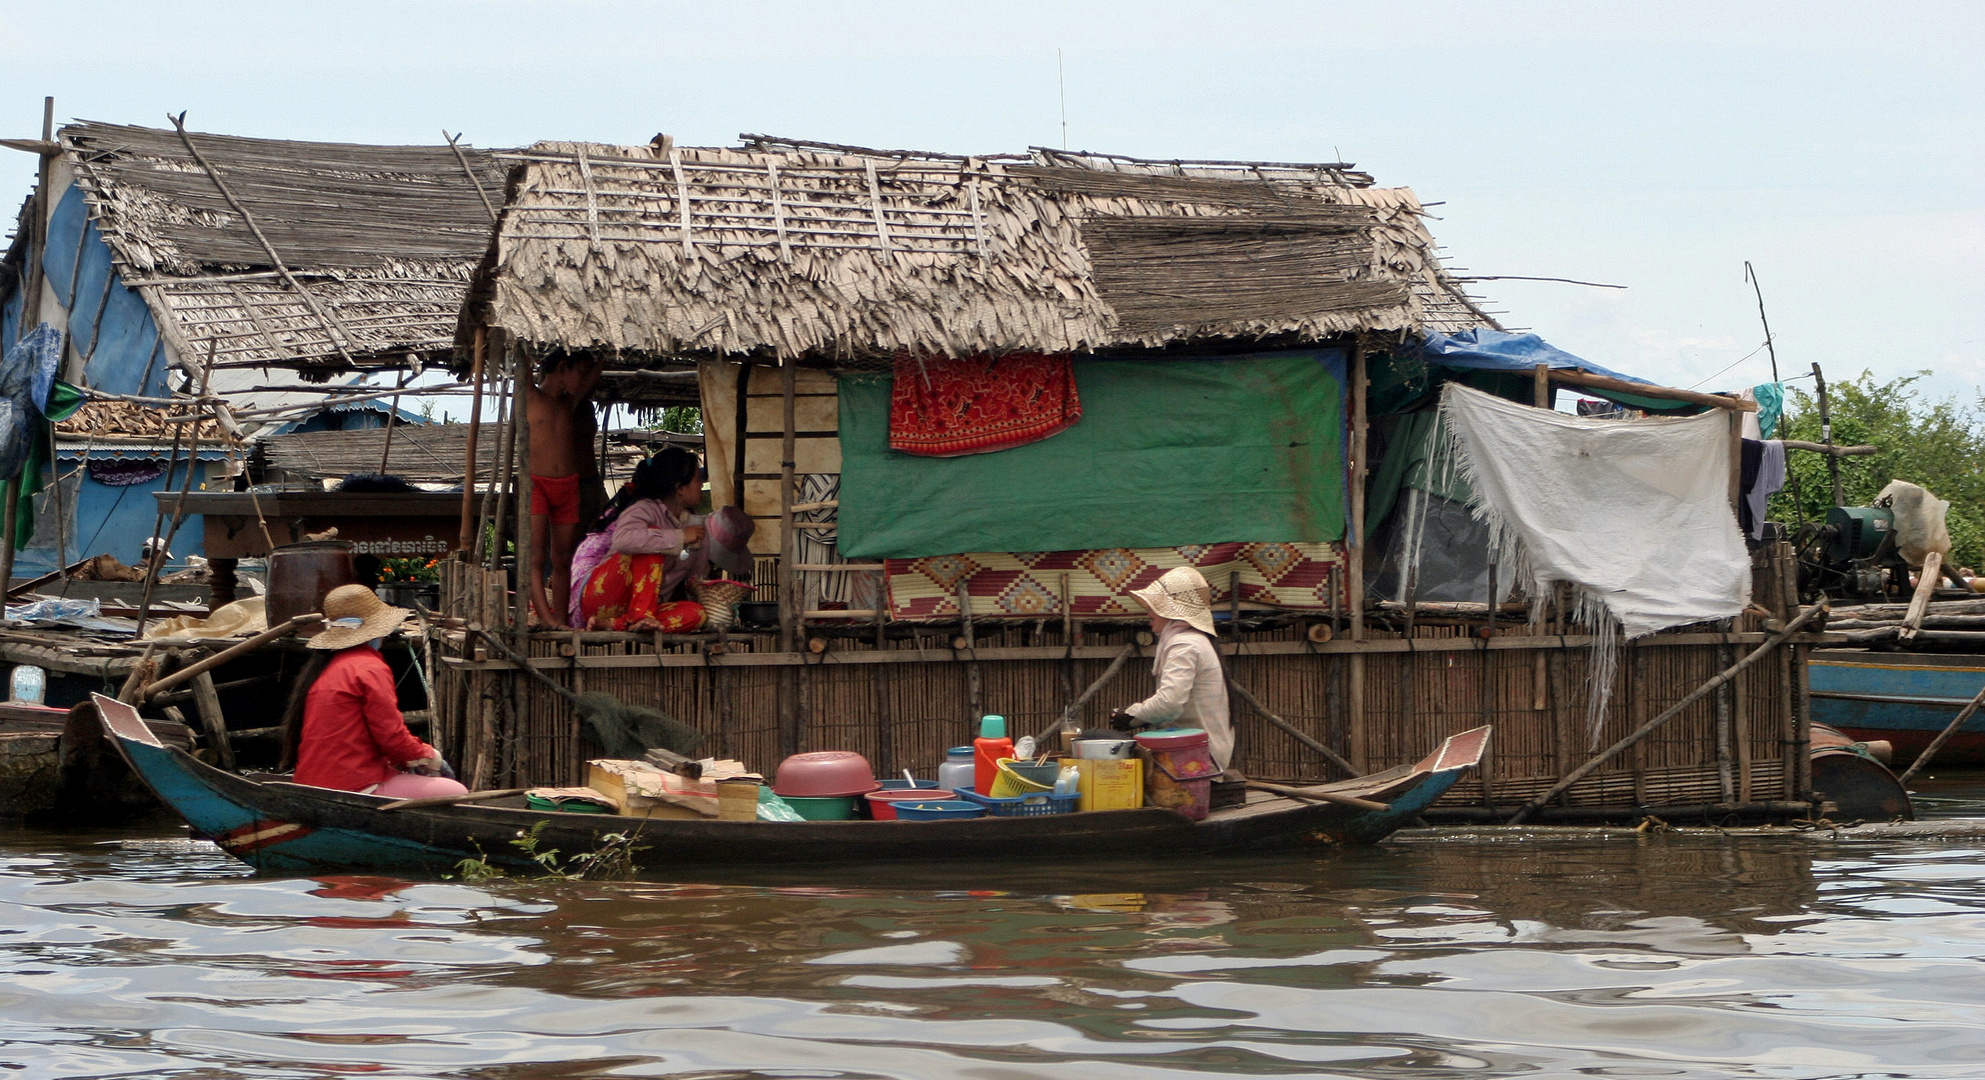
[[1760, 474], [1771, 406], [1633, 515], [949, 408]]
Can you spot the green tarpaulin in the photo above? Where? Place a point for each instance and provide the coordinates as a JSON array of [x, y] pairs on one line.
[[1168, 452]]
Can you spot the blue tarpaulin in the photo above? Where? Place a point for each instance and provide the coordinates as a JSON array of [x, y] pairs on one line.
[[1498, 350], [109, 325], [1482, 349]]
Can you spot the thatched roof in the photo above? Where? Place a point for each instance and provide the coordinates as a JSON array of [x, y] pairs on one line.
[[382, 240], [108, 423], [796, 249]]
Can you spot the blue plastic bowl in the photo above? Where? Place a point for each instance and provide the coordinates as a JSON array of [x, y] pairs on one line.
[[939, 810]]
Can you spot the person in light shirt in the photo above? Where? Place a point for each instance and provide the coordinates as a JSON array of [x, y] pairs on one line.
[[1192, 689]]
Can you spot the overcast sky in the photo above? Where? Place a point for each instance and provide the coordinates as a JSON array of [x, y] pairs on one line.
[[1837, 147]]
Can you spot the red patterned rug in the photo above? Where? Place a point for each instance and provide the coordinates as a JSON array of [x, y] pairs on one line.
[[948, 408], [1029, 584]]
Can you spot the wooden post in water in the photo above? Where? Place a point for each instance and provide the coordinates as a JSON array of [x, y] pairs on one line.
[[36, 244], [1355, 556], [792, 679], [465, 543]]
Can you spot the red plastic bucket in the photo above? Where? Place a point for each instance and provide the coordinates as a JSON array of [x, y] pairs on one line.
[[1181, 771], [879, 802]]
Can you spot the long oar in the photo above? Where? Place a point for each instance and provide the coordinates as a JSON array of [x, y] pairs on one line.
[[1317, 795], [1937, 743], [451, 800]]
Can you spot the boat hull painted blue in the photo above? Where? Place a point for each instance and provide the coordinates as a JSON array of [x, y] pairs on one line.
[[1904, 698], [286, 827]]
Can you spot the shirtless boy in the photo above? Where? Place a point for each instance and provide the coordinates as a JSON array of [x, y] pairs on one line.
[[559, 451]]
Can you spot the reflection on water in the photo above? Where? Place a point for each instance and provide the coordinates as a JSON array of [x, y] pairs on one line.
[[1655, 956]]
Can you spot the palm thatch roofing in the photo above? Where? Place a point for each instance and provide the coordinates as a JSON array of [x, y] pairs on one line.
[[373, 246], [842, 255]]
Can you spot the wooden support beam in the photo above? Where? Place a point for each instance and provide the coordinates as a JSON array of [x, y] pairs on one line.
[[1570, 377]]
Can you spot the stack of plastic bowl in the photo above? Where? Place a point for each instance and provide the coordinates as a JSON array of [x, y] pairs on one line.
[[881, 804], [824, 785], [939, 810]]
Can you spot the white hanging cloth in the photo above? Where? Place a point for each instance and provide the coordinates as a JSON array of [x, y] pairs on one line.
[[1633, 515]]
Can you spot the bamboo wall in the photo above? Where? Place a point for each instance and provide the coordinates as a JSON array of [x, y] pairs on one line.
[[901, 702]]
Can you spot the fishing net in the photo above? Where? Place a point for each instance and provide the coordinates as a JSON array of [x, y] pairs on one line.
[[630, 731]]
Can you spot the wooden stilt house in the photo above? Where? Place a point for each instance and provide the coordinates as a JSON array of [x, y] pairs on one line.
[[190, 274], [971, 401]]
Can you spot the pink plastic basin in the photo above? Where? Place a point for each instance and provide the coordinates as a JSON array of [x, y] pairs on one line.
[[879, 802], [824, 774]]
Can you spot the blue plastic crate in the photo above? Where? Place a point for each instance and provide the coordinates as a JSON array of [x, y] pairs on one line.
[[1039, 804]]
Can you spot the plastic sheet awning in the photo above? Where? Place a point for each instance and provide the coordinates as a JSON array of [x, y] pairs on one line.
[[1483, 349]]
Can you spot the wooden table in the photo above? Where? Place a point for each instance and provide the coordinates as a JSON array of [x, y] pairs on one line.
[[417, 525]]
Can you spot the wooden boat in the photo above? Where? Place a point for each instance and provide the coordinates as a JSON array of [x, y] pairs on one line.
[[44, 768], [279, 826], [1905, 698]]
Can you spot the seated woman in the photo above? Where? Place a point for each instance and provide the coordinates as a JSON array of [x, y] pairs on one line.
[[343, 728], [640, 557], [1192, 690]]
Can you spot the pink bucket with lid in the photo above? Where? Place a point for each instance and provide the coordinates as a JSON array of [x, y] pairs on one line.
[[1180, 772]]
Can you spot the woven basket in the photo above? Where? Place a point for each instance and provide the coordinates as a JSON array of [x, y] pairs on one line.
[[719, 600]]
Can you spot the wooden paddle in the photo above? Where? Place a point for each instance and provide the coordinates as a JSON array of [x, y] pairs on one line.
[[450, 800], [1318, 795]]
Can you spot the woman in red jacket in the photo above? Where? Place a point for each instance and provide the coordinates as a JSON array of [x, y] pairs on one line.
[[344, 729]]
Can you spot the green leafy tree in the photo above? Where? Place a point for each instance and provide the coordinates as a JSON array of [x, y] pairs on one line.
[[1939, 445], [682, 419]]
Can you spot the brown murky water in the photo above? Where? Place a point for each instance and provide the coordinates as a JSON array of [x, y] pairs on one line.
[[141, 954]]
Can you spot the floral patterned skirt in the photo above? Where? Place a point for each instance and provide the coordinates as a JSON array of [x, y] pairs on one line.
[[624, 589]]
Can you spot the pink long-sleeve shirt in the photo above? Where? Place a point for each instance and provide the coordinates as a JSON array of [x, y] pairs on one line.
[[649, 528]]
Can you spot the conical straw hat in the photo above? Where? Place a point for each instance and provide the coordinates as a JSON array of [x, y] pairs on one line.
[[354, 615], [1182, 593]]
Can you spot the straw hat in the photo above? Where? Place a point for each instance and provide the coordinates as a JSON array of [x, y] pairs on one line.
[[354, 615], [729, 533], [1180, 594]]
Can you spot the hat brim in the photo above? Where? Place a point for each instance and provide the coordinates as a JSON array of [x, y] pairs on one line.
[[1158, 602], [376, 625]]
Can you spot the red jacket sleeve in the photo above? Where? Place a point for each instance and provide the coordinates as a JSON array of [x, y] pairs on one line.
[[382, 714]]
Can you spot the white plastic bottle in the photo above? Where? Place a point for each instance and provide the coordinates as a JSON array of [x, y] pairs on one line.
[[1068, 781]]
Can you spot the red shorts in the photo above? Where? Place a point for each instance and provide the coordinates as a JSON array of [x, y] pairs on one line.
[[557, 498]]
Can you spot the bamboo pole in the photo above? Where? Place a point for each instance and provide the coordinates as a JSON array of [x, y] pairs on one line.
[[37, 245], [1075, 706], [157, 560], [239, 648], [1826, 436], [792, 682], [1294, 732], [1570, 377], [464, 546], [1355, 553], [1667, 714]]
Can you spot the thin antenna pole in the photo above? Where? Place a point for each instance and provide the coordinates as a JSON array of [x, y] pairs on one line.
[[1061, 78], [1752, 277]]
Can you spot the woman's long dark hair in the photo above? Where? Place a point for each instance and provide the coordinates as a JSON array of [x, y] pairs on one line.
[[656, 477], [293, 713]]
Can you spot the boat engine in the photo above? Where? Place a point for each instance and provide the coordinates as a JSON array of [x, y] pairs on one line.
[[1852, 553]]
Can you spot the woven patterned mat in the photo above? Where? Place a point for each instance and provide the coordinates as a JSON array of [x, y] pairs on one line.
[[1028, 584]]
